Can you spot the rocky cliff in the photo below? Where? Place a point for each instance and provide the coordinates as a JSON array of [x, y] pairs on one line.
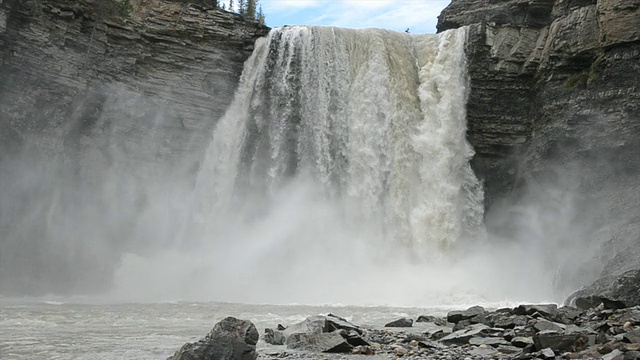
[[555, 100], [96, 104]]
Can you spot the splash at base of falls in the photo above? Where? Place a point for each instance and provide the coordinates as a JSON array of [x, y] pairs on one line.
[[374, 119]]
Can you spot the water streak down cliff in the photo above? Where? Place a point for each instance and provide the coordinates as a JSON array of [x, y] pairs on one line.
[[554, 98], [375, 118]]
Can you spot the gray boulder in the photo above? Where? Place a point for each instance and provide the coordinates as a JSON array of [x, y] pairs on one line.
[[472, 312], [613, 291], [545, 325], [311, 325], [335, 322], [432, 319], [462, 337], [521, 341], [332, 342], [544, 310], [230, 339], [404, 322], [274, 337], [560, 342], [510, 322]]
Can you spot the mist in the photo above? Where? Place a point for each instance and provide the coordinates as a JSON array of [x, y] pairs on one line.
[[106, 210]]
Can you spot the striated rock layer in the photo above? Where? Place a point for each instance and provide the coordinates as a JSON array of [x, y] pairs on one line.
[[100, 115], [555, 99]]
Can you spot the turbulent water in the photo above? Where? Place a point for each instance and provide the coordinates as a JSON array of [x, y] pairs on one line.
[[55, 330], [375, 120], [339, 175]]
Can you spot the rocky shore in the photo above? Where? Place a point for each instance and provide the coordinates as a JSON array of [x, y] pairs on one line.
[[593, 327]]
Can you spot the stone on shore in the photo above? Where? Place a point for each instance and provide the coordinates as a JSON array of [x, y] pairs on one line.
[[404, 322], [457, 316], [230, 339]]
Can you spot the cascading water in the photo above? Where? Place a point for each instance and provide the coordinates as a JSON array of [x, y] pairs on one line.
[[374, 120]]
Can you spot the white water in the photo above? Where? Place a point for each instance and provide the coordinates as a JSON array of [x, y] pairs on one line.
[[339, 175], [373, 120]]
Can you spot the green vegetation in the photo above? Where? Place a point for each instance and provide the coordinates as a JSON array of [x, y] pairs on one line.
[[594, 69], [248, 8], [575, 80], [585, 78]]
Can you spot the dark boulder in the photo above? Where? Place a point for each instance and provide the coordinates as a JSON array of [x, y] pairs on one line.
[[404, 322], [613, 291], [432, 319], [510, 322], [462, 337], [332, 342], [335, 322], [632, 336], [354, 338], [545, 310], [544, 325], [472, 312], [230, 339], [274, 337], [560, 342]]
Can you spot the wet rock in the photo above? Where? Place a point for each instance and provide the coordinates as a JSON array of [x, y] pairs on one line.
[[561, 342], [511, 322], [230, 339], [354, 338], [331, 342], [463, 336], [522, 342], [614, 291], [335, 322], [545, 310], [545, 325], [632, 336], [274, 337], [438, 332], [456, 316], [567, 315], [489, 341], [404, 322], [587, 302], [432, 319]]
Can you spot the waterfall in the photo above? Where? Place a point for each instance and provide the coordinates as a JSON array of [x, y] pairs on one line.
[[374, 119]]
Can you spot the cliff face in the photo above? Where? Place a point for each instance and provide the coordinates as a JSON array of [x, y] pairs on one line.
[[555, 98], [174, 66], [99, 115]]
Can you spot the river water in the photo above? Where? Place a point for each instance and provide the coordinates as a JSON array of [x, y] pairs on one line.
[[37, 329]]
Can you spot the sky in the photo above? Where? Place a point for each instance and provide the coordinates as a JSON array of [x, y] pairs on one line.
[[419, 16]]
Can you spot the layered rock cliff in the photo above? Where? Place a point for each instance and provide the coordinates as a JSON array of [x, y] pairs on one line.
[[555, 99], [95, 106]]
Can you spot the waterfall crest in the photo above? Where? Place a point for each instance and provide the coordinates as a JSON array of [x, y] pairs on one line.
[[374, 119]]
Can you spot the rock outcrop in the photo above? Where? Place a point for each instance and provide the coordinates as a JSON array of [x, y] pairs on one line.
[[547, 332], [230, 339], [95, 106], [555, 99]]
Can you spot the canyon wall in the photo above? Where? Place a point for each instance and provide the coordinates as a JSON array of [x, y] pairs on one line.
[[555, 99], [105, 114]]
